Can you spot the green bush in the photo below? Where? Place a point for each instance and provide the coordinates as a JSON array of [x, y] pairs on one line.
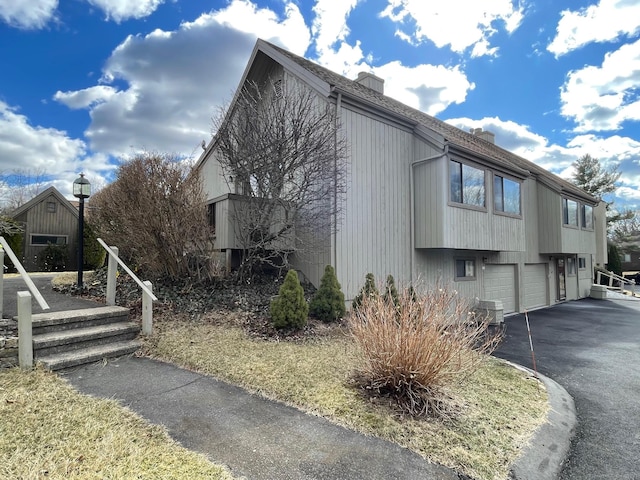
[[390, 292], [368, 291], [13, 232], [54, 258], [94, 253], [328, 302], [289, 309]]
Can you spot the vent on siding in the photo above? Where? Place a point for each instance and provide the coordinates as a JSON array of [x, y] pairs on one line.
[[277, 88]]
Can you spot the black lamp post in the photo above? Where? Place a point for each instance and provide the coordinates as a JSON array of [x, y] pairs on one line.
[[81, 190]]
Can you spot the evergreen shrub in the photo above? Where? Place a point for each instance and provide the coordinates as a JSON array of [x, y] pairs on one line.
[[328, 302], [290, 309], [369, 290]]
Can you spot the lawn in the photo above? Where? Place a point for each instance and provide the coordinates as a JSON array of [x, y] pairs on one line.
[[501, 406], [48, 430]]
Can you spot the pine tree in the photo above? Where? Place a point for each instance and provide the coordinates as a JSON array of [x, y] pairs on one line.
[[590, 176], [328, 302], [615, 264], [391, 292], [289, 309], [368, 290]]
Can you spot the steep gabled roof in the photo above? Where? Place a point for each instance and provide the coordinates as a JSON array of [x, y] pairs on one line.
[[41, 197], [451, 134], [326, 81]]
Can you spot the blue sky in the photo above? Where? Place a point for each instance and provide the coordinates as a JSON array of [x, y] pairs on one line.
[[86, 84]]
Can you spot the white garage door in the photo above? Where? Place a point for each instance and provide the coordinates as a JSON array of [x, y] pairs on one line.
[[500, 284], [535, 285]]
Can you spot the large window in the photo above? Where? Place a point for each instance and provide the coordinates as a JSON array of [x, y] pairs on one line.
[[569, 212], [587, 217], [467, 184], [465, 269], [506, 195], [47, 239]]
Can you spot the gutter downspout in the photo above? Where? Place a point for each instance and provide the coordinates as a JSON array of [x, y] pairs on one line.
[[334, 233], [412, 200]]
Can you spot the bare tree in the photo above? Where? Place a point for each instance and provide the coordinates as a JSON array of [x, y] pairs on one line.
[[155, 213], [20, 186], [282, 151]]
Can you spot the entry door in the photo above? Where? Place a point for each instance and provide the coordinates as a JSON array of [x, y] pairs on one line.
[[562, 283]]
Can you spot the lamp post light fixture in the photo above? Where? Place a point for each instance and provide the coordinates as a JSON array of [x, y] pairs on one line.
[[81, 190]]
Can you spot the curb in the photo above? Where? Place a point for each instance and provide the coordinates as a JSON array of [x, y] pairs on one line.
[[545, 454]]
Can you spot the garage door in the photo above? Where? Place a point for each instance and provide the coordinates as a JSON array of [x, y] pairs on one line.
[[535, 285], [500, 284]]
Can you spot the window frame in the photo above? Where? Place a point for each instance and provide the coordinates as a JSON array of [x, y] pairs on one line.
[[52, 207], [211, 216], [582, 263], [565, 213], [466, 277], [497, 211], [460, 169], [50, 235], [583, 217]]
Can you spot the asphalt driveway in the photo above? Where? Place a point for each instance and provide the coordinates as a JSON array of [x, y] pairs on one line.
[[591, 348]]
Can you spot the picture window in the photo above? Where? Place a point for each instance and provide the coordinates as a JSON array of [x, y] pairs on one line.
[[506, 195], [467, 184]]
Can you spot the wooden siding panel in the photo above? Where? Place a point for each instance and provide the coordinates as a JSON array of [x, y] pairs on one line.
[[549, 220], [374, 232]]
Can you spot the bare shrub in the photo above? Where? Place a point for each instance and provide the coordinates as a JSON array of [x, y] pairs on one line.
[[414, 351], [155, 213]]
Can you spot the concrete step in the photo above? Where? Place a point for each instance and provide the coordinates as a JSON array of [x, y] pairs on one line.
[[45, 344], [55, 321], [59, 361]]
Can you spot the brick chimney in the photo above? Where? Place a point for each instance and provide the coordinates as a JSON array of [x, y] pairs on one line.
[[371, 81], [484, 134]]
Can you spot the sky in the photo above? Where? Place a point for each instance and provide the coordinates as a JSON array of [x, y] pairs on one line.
[[87, 84]]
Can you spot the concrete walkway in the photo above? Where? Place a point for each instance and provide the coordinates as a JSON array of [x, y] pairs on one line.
[[592, 348], [256, 438]]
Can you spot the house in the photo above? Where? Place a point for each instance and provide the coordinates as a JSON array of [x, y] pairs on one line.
[[428, 201], [47, 218]]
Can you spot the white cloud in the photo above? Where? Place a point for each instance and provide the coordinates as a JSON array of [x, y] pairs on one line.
[[119, 10], [85, 98], [175, 81], [603, 22], [37, 148], [329, 24], [430, 88], [460, 24], [601, 98], [32, 14]]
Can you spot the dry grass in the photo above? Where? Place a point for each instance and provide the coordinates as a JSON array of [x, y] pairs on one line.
[[502, 406], [47, 430], [417, 347], [70, 278]]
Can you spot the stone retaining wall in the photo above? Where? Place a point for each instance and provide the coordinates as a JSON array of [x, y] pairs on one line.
[[8, 343]]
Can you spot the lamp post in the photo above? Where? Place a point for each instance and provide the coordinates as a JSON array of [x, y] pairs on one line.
[[81, 190]]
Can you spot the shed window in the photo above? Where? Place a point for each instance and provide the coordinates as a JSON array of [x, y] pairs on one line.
[[506, 195], [582, 263], [569, 212], [465, 269], [211, 215], [51, 207], [467, 184], [587, 217], [47, 239]]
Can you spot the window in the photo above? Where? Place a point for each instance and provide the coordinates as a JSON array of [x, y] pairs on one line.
[[51, 207], [627, 257], [571, 265], [465, 269], [587, 217], [466, 184], [582, 263], [569, 212], [506, 195], [211, 215], [46, 239]]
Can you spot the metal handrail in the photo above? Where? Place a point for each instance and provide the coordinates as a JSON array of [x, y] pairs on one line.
[[25, 276], [145, 289]]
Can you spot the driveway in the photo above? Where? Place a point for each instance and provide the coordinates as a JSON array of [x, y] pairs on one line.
[[591, 348]]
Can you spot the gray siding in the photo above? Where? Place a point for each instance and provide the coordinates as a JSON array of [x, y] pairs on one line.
[[373, 231], [550, 220]]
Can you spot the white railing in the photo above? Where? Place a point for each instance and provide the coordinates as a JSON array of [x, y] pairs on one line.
[[147, 287], [613, 278], [25, 331]]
